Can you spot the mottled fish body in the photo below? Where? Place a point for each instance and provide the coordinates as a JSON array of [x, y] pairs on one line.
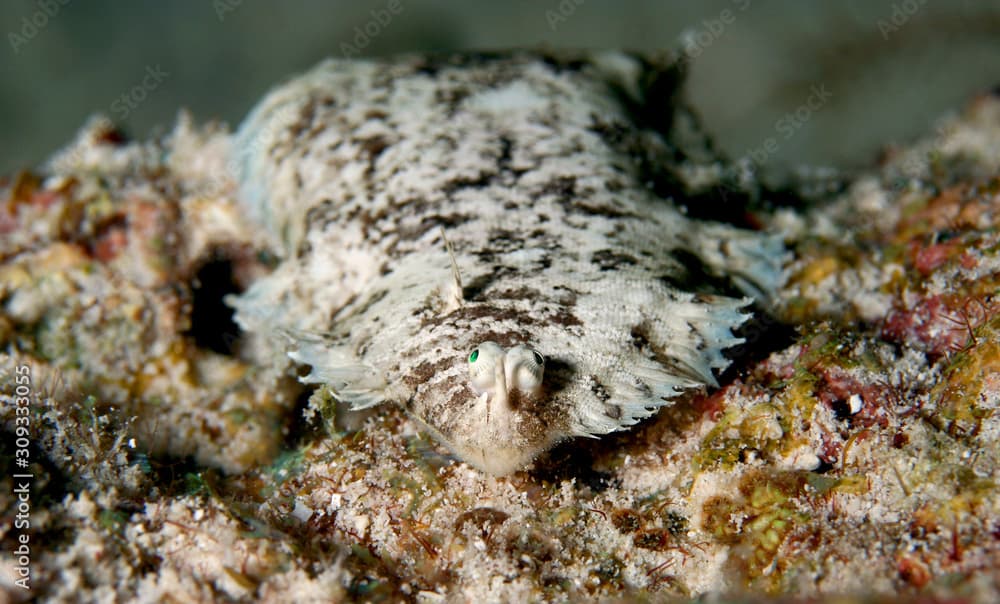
[[573, 315]]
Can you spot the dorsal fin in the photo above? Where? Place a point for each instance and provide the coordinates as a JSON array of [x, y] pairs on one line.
[[453, 297]]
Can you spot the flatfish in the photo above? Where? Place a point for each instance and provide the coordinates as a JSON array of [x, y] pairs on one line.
[[474, 238]]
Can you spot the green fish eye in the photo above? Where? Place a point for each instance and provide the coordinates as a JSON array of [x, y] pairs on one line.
[[474, 356]]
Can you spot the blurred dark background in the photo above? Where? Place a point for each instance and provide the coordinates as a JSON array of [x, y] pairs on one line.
[[829, 83]]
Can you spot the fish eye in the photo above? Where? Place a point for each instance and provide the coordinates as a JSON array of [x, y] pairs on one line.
[[524, 369], [482, 365]]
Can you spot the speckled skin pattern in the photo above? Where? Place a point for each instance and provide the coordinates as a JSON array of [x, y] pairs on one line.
[[531, 169]]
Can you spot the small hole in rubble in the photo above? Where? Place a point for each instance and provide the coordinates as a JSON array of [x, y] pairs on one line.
[[212, 324]]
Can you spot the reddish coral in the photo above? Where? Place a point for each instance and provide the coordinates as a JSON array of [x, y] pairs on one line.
[[45, 198], [933, 325], [714, 404], [940, 213], [8, 219], [913, 571], [830, 447], [968, 261], [927, 259], [837, 385], [110, 244]]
